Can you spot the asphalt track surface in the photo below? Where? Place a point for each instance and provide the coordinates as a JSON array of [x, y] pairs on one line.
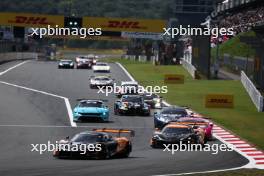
[[28, 117]]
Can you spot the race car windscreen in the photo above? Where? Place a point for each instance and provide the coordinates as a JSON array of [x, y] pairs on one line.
[[169, 130], [87, 138], [149, 96], [132, 99], [101, 64], [90, 104], [180, 112], [102, 79]]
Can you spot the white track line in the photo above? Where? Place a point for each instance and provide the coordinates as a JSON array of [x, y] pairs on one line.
[[11, 68], [203, 172], [66, 100]]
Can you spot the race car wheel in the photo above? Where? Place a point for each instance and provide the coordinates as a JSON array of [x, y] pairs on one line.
[[104, 154], [127, 151]]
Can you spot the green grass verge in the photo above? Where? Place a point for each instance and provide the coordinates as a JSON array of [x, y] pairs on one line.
[[243, 119]]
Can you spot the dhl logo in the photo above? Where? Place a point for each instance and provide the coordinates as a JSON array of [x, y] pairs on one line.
[[30, 20], [124, 24], [214, 100]]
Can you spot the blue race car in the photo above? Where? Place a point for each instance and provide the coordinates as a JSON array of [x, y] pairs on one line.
[[91, 110], [168, 114]]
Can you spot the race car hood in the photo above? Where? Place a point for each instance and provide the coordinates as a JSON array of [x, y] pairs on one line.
[[89, 110], [175, 137]]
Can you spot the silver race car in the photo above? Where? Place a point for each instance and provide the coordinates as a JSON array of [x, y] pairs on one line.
[[101, 81]]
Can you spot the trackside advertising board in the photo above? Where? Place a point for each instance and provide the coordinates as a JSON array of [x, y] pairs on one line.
[[219, 101], [124, 24], [173, 79], [30, 20]]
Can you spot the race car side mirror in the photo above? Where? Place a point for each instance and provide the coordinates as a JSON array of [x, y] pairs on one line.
[[67, 137]]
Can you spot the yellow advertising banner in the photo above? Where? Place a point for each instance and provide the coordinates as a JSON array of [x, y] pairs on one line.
[[124, 24], [219, 101], [173, 79], [30, 20], [76, 37]]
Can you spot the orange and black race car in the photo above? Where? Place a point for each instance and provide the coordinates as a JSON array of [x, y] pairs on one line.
[[98, 144], [174, 133]]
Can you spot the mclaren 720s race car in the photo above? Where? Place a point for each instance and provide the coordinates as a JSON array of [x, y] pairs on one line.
[[174, 133], [96, 144], [131, 104], [202, 123]]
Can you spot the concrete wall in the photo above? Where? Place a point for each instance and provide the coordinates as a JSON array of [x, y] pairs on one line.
[[10, 56]]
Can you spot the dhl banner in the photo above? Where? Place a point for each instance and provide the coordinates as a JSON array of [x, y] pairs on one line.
[[124, 24], [219, 101], [104, 38], [31, 20], [173, 79]]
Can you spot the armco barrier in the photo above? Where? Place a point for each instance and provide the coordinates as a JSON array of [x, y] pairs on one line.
[[190, 68], [10, 56], [254, 94]]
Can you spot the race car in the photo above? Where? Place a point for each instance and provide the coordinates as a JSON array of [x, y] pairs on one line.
[[101, 67], [100, 144], [66, 64], [154, 100], [91, 58], [202, 123], [168, 114], [84, 64], [127, 87], [90, 110], [131, 104], [175, 134], [101, 81]]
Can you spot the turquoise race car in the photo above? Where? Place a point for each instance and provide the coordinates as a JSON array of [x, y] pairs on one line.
[[90, 110]]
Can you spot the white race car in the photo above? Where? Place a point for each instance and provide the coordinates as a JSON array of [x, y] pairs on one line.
[[101, 81], [101, 67]]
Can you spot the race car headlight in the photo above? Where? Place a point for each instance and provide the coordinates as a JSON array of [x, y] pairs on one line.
[[60, 64], [104, 113], [160, 118], [157, 137], [71, 64], [157, 100]]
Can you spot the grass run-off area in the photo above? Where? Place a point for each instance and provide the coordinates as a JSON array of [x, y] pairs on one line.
[[243, 119]]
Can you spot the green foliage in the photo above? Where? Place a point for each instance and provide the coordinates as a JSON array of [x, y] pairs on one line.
[[234, 47]]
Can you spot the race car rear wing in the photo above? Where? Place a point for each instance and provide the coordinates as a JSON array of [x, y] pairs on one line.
[[118, 131], [191, 123]]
